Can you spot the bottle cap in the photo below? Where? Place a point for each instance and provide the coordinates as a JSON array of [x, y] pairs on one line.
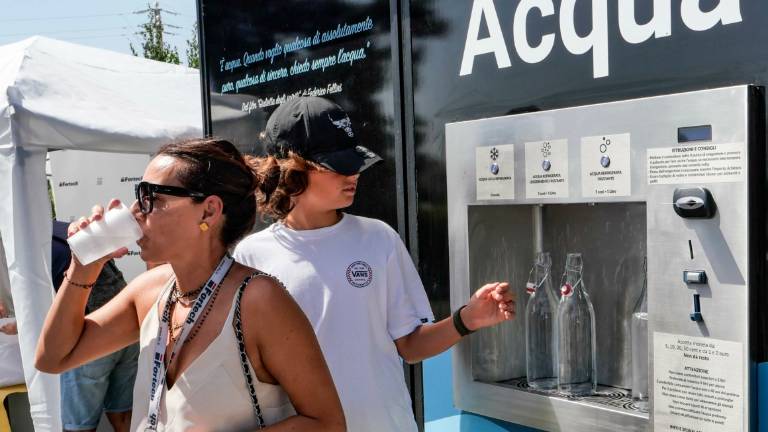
[[530, 287]]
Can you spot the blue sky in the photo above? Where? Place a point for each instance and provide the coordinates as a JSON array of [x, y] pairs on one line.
[[104, 24]]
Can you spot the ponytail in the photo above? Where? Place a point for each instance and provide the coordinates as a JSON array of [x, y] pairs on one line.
[[277, 181]]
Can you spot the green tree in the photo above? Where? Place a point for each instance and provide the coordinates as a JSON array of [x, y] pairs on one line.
[[152, 32], [193, 49]]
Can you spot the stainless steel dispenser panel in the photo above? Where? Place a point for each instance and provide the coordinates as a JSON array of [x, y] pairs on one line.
[[500, 249], [613, 272], [719, 245]]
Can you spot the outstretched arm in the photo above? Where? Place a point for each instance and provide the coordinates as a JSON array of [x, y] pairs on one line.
[[490, 305]]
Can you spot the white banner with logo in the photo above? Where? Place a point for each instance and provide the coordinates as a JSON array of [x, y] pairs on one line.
[[80, 179]]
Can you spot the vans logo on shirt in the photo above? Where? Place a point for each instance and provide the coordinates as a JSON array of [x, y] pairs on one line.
[[359, 274]]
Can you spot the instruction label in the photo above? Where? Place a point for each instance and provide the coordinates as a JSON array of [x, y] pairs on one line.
[[605, 166], [495, 172], [698, 384], [546, 169], [696, 163]]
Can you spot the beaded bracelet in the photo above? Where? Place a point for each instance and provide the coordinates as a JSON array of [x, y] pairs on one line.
[[84, 286]]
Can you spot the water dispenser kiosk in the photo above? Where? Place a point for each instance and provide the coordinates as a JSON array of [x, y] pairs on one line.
[[678, 180]]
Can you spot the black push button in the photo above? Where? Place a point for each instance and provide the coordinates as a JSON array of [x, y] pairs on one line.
[[696, 202]]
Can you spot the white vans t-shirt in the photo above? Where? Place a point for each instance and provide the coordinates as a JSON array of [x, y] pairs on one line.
[[360, 290]]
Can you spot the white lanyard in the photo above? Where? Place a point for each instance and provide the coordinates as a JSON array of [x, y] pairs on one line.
[[158, 364]]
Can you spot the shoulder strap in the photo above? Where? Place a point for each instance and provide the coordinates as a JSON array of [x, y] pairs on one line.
[[165, 291], [241, 347]]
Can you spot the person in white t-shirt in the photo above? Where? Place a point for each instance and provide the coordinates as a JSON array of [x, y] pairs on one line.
[[351, 275]]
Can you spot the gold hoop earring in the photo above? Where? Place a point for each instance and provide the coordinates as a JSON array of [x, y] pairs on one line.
[[203, 226]]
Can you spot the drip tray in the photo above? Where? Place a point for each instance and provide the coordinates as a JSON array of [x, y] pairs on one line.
[[613, 397]]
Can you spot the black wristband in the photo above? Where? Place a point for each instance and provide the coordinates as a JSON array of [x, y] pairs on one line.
[[459, 324]]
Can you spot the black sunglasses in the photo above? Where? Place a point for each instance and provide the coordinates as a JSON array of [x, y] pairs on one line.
[[145, 194]]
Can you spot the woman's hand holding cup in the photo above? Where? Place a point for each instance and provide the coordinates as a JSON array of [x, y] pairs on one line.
[[96, 239]]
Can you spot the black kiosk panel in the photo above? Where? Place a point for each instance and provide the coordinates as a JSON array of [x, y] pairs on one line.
[[259, 54]]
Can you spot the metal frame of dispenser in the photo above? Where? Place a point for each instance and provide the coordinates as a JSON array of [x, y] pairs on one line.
[[502, 208]]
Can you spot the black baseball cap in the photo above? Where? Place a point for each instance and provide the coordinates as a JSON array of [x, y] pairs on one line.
[[320, 131]]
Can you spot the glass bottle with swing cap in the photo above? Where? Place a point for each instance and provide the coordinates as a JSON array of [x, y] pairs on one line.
[[576, 348], [639, 336], [540, 326]]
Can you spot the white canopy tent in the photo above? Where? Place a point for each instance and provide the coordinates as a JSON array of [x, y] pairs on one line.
[[58, 95]]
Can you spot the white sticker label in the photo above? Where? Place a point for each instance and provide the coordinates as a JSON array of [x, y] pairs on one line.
[[605, 167], [696, 163], [546, 169], [495, 172], [698, 384]]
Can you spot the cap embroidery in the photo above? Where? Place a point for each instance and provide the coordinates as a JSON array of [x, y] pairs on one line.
[[344, 123]]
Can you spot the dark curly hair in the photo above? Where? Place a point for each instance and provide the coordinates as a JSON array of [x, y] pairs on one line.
[[215, 166]]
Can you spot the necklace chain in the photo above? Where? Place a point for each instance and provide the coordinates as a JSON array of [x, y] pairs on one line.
[[184, 299], [174, 328]]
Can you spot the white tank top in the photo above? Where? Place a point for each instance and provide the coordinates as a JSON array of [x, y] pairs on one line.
[[211, 393]]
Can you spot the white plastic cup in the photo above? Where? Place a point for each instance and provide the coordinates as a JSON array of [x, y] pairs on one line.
[[117, 229]]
